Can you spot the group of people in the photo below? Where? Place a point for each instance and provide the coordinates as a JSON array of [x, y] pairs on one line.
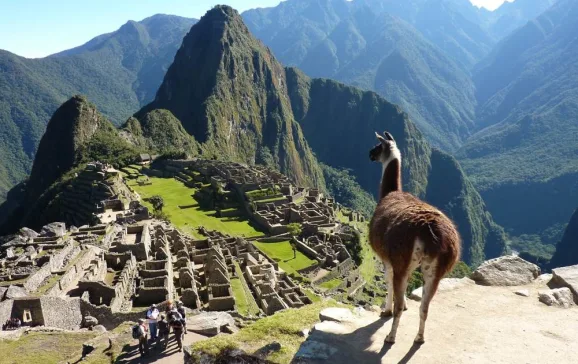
[[158, 325], [12, 324]]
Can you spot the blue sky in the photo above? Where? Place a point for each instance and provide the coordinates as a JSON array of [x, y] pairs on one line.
[[37, 28]]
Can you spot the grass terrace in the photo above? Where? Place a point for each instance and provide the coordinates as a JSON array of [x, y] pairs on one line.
[[42, 348], [244, 300], [284, 327], [331, 284], [185, 213], [282, 253]]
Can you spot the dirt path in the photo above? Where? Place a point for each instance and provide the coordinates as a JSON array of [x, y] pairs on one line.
[[472, 324], [171, 355]]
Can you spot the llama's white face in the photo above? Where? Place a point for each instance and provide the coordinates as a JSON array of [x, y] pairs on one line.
[[385, 151]]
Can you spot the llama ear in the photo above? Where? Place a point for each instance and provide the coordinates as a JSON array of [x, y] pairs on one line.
[[388, 136], [380, 138]]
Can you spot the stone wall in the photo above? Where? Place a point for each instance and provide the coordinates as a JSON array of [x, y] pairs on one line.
[[62, 313], [342, 269], [5, 311], [36, 279]]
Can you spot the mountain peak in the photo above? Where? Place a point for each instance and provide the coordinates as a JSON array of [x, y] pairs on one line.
[[72, 125], [230, 93]]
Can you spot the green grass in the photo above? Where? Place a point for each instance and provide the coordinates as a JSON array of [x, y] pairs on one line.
[[312, 296], [43, 348], [284, 327], [283, 254], [51, 282], [244, 300], [331, 284], [176, 194], [14, 282]]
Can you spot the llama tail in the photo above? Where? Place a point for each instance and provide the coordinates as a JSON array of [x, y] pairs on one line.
[[446, 243]]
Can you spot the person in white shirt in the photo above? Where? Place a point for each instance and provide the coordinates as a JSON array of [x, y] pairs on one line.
[[152, 316]]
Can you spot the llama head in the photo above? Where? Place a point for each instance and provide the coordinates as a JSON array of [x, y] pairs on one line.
[[386, 150]]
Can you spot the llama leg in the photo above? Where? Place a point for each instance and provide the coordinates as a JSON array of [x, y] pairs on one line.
[[431, 282], [388, 310], [399, 287]]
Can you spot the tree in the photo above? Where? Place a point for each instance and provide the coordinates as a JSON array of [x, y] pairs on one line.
[[294, 229], [157, 202]]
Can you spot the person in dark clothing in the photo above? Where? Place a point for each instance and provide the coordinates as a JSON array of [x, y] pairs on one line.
[[182, 312], [176, 322], [163, 327]]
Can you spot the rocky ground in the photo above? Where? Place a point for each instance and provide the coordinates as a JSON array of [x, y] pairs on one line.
[[468, 323]]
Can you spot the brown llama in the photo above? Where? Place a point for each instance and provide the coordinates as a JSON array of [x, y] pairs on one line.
[[407, 233]]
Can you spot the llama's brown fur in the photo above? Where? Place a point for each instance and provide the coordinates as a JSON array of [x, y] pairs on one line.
[[406, 233]]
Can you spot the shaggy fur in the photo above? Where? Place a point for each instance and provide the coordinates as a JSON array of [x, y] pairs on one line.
[[407, 233]]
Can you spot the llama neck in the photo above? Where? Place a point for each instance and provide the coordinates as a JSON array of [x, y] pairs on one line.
[[391, 179]]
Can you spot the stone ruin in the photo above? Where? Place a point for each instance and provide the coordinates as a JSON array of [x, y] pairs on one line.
[[126, 261]]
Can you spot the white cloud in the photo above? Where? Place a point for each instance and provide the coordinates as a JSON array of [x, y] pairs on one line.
[[489, 4]]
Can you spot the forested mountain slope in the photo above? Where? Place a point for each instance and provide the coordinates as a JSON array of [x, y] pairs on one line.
[[362, 44], [524, 160], [119, 72]]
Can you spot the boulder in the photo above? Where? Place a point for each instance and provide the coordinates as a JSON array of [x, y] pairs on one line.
[[209, 323], [446, 284], [15, 292], [27, 233], [336, 314], [56, 229], [99, 328], [561, 297], [566, 277], [2, 291], [89, 321], [506, 271]]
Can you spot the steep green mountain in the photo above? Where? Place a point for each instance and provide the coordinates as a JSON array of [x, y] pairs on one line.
[[339, 122], [567, 248], [231, 94], [524, 158], [361, 44], [512, 15], [76, 134], [159, 131], [119, 71]]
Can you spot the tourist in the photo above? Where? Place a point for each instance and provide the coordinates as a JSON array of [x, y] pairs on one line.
[[176, 322], [142, 337], [17, 322], [152, 315], [168, 311], [163, 327], [181, 310]]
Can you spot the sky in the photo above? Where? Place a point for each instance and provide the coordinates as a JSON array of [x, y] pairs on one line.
[[37, 28]]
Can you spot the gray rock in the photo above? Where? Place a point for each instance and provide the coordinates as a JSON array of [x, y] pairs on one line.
[[56, 229], [99, 328], [561, 297], [2, 291], [506, 271], [446, 284], [416, 294], [566, 277], [209, 323], [315, 351], [27, 233], [89, 321], [523, 292], [15, 292], [336, 314]]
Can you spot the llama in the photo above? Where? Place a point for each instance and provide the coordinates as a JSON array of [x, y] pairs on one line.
[[406, 233]]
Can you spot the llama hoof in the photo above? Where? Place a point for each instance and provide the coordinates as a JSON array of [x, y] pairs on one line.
[[386, 313], [419, 339], [390, 339]]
